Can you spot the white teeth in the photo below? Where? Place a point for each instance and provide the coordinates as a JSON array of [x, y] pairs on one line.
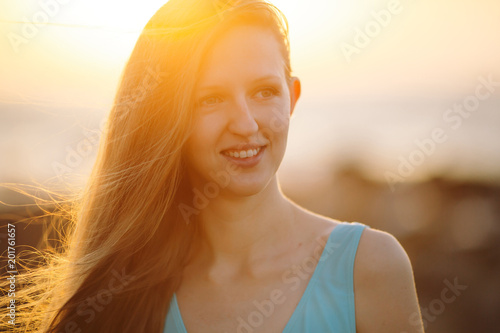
[[243, 153]]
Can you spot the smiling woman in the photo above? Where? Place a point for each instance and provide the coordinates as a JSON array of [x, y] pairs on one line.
[[183, 212]]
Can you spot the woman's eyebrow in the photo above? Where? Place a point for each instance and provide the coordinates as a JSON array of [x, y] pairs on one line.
[[267, 77], [260, 79]]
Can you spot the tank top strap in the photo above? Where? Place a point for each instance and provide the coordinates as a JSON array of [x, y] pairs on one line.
[[341, 248], [328, 303]]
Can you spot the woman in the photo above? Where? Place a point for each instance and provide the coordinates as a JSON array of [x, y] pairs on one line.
[[183, 226]]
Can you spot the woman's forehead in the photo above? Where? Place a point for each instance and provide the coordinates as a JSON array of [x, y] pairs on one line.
[[244, 52]]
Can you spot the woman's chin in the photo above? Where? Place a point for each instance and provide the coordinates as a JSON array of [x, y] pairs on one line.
[[246, 187], [229, 180]]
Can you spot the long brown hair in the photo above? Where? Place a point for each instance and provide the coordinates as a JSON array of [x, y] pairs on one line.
[[127, 242]]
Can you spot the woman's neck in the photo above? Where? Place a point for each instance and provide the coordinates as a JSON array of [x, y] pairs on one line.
[[237, 232]]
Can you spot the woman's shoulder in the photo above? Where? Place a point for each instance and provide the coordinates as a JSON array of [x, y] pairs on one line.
[[377, 250], [384, 287], [379, 253]]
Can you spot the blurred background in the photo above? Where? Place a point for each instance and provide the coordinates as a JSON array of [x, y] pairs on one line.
[[398, 125]]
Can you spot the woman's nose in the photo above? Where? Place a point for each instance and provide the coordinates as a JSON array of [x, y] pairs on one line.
[[242, 121]]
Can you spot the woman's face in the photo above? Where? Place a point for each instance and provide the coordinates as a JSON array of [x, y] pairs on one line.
[[243, 106]]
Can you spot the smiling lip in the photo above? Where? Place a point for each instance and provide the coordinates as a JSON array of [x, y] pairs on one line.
[[247, 162], [246, 146]]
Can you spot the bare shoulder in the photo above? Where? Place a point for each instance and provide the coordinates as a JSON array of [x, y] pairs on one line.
[[384, 287], [380, 253]]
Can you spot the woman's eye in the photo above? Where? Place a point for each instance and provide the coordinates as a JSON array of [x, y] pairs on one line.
[[266, 93], [209, 101]]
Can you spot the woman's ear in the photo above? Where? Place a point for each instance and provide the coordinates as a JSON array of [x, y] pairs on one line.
[[294, 87]]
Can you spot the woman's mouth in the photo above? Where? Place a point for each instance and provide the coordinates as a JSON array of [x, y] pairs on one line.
[[245, 158]]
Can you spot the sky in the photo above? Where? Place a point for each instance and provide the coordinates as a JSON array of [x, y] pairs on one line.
[[377, 76]]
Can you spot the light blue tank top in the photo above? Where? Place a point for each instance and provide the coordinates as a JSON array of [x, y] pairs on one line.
[[327, 304]]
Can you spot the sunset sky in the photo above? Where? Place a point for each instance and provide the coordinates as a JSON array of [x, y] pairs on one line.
[[426, 56]]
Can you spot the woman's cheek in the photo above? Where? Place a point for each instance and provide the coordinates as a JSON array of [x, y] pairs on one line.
[[205, 129], [277, 123]]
